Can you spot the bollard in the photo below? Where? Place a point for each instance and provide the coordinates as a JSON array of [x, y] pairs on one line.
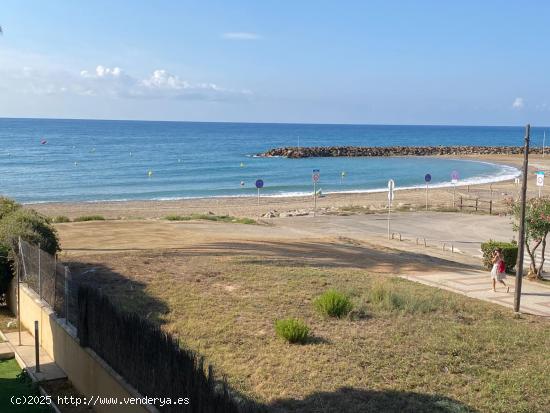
[[425, 245], [452, 248], [36, 347], [400, 237]]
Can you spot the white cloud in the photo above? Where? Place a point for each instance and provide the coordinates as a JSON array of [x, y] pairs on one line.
[[115, 83], [102, 71], [518, 103], [241, 36]]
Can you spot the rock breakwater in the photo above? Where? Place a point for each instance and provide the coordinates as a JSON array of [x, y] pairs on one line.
[[354, 151]]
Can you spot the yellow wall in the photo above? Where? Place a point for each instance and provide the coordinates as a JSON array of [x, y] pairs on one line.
[[88, 373]]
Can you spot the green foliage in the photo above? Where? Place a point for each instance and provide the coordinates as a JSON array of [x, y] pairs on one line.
[[210, 217], [5, 269], [292, 330], [178, 217], [27, 224], [60, 219], [394, 296], [333, 304], [537, 227], [509, 250], [537, 217], [31, 227], [7, 206], [85, 218]]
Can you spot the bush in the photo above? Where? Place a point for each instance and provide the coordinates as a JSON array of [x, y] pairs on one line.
[[60, 219], [5, 269], [177, 217], [210, 217], [7, 206], [391, 296], [292, 330], [333, 303], [90, 218], [31, 227], [509, 250]]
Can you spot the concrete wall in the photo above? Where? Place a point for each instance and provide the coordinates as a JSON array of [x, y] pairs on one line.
[[88, 373]]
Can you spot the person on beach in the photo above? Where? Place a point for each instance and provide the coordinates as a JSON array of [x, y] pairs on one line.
[[498, 273]]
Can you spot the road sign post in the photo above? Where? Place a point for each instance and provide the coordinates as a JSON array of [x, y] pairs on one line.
[[259, 185], [540, 181], [427, 179], [454, 181], [315, 177], [391, 186]]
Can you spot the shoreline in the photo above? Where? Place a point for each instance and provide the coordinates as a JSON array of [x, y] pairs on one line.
[[514, 172], [439, 197]]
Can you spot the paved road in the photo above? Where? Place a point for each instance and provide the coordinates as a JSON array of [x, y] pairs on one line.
[[465, 231]]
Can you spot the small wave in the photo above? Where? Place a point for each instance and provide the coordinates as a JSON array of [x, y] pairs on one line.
[[505, 173]]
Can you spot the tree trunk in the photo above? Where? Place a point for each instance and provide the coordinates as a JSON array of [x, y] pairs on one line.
[[531, 252], [541, 266]]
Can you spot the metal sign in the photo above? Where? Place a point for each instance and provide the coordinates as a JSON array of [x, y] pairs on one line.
[[391, 187], [454, 177], [259, 184], [540, 178], [316, 175], [427, 178]]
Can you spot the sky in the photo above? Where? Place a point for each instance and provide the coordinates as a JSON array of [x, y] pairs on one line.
[[362, 62]]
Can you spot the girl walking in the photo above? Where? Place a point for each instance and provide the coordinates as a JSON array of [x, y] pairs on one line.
[[498, 273]]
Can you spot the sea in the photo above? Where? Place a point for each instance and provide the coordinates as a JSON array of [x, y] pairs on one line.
[[62, 160]]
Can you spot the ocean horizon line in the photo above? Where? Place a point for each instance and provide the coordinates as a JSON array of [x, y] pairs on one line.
[[221, 122]]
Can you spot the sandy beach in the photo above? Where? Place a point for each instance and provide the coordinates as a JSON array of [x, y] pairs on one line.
[[439, 198]]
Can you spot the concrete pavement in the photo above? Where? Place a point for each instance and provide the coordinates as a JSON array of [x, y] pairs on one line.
[[25, 354], [535, 297]]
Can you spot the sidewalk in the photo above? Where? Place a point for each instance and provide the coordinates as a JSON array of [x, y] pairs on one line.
[[25, 355], [535, 297]]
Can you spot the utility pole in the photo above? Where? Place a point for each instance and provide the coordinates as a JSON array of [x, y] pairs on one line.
[[521, 235]]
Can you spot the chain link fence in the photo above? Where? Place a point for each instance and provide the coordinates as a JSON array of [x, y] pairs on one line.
[[51, 280]]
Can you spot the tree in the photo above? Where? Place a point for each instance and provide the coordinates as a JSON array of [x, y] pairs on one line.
[[537, 227]]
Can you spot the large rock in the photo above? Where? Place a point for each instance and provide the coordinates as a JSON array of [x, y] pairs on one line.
[[354, 151]]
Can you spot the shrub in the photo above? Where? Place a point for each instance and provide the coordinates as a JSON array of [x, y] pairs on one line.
[[85, 218], [60, 219], [390, 296], [31, 227], [7, 206], [209, 217], [509, 250], [5, 269], [177, 217], [333, 303], [292, 330]]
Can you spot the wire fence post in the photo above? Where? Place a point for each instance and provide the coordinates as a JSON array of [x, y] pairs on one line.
[[36, 347], [66, 295], [39, 271], [18, 274]]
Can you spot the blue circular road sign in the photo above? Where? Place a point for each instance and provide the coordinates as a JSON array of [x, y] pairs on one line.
[[259, 183], [427, 177]]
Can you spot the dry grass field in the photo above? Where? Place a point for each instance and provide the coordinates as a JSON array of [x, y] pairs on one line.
[[405, 347]]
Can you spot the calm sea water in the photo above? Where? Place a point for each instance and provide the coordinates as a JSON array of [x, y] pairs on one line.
[[90, 160]]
